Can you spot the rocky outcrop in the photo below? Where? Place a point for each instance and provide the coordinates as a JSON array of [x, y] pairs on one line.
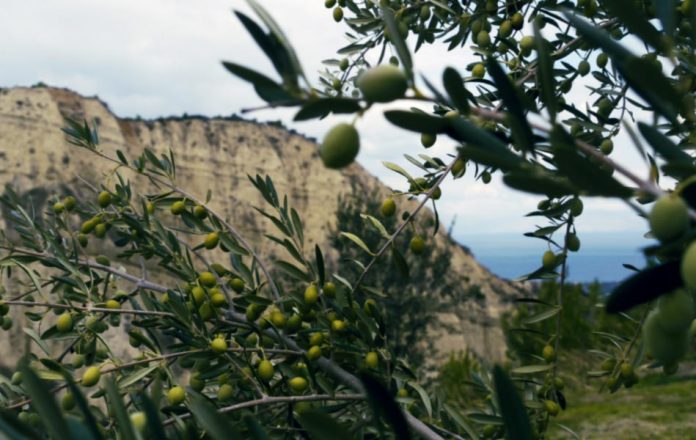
[[217, 154]]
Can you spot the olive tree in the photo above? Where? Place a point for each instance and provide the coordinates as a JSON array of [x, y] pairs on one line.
[[291, 352]]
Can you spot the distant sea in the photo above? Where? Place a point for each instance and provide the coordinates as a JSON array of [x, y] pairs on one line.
[[601, 256], [582, 267]]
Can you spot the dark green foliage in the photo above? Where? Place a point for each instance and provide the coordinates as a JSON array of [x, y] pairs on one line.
[[410, 303], [581, 318]]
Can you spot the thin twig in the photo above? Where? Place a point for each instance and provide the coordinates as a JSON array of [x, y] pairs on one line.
[[88, 308], [267, 400], [401, 227]]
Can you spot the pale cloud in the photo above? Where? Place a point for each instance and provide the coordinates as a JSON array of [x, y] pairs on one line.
[[162, 57]]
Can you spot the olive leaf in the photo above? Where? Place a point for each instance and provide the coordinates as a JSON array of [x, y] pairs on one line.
[[644, 287], [512, 409]]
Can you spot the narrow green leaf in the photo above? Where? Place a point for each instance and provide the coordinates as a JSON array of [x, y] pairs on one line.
[[322, 426], [455, 415], [320, 108], [293, 271], [598, 37], [275, 52], [377, 224], [651, 84], [505, 161], [259, 80], [487, 419], [254, 428], [398, 41], [532, 369], [215, 424], [454, 85], [417, 121], [664, 145], [279, 35], [137, 376], [382, 403], [475, 136], [587, 176], [514, 414], [397, 169], [154, 422], [666, 10], [89, 420], [546, 314], [545, 183], [118, 410], [121, 157], [400, 262], [11, 427], [512, 99], [635, 22], [424, 397], [36, 338], [645, 286], [357, 240], [545, 77], [321, 270], [45, 405]]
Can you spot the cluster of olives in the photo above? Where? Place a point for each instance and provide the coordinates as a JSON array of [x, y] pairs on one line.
[[668, 328], [98, 224], [308, 318], [206, 296], [557, 209], [620, 374]]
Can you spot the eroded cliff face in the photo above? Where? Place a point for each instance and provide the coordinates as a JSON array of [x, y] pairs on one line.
[[217, 154]]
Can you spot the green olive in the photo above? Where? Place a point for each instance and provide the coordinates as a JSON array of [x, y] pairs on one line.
[[428, 139], [669, 218], [207, 279], [104, 199], [340, 146], [211, 240], [176, 395], [664, 346], [178, 207], [479, 71], [388, 207], [383, 83], [548, 260], [338, 14], [265, 370], [65, 322], [675, 311], [417, 245]]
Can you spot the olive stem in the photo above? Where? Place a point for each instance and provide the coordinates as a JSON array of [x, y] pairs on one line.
[[401, 227], [267, 400], [87, 308], [559, 298]]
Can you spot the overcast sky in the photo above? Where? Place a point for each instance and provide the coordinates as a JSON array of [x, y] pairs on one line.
[[162, 57]]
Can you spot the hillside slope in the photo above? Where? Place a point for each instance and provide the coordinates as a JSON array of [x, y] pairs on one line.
[[216, 154]]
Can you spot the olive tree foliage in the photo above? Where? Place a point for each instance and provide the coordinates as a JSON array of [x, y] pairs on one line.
[[633, 61], [410, 301], [245, 347]]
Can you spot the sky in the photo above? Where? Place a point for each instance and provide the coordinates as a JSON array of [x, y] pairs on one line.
[[162, 57]]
